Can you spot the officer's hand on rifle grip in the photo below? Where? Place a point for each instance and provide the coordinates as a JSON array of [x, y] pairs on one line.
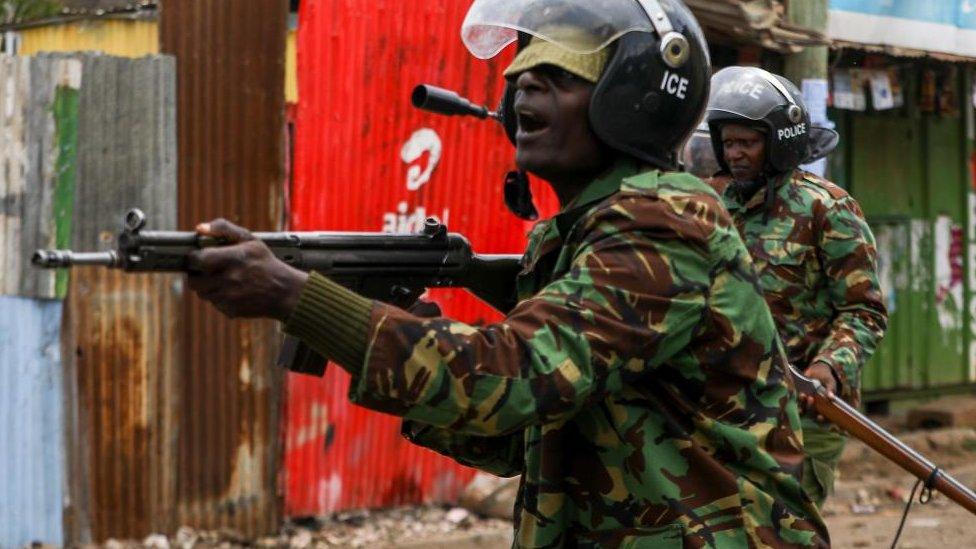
[[243, 278], [822, 373]]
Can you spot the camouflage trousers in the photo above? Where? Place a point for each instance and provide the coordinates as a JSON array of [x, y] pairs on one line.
[[823, 448]]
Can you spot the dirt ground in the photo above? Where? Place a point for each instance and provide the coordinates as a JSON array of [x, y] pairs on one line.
[[868, 504], [863, 513]]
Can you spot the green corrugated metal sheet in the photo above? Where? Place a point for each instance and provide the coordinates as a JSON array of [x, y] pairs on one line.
[[909, 172], [66, 136]]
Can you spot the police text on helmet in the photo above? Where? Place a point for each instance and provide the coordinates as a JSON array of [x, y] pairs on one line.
[[752, 89], [791, 133]]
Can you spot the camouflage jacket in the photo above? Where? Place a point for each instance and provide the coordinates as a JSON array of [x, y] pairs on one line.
[[817, 263], [635, 387]]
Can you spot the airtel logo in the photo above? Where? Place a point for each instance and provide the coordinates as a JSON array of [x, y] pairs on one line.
[[791, 133]]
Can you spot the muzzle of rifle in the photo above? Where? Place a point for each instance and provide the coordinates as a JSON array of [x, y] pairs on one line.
[[59, 259]]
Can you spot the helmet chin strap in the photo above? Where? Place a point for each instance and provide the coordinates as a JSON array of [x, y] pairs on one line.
[[518, 196]]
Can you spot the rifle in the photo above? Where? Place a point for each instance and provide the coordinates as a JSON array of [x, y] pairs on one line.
[[867, 431], [395, 268]]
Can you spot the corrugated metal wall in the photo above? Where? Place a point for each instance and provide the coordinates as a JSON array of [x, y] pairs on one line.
[[32, 456], [908, 170], [120, 330], [126, 38], [38, 112], [230, 62], [37, 103], [122, 37], [367, 161]]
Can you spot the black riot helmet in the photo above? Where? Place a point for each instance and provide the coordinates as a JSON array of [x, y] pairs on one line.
[[754, 97], [655, 84]]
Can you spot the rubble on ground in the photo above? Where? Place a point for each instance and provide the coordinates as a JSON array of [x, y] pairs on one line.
[[397, 527]]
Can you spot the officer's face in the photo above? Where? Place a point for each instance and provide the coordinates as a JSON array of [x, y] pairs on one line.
[[745, 151], [554, 139]]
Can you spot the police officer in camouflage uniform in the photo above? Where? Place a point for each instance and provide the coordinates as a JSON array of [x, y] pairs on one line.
[[637, 386], [815, 254]]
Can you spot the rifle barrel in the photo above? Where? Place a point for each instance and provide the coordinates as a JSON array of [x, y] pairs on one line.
[[886, 444], [56, 259]]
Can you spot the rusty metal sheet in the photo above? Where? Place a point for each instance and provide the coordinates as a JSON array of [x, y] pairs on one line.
[[757, 22], [120, 339], [121, 365], [230, 57]]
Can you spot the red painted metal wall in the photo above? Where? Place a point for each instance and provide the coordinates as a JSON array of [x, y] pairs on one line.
[[366, 160]]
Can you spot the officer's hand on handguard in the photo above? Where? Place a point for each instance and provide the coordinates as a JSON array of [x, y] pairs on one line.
[[243, 278], [822, 373]]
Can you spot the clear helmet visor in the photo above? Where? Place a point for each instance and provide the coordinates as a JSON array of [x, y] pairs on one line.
[[747, 92], [698, 154], [581, 26]]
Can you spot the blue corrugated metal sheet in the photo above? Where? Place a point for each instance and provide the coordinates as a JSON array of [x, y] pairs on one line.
[[32, 459]]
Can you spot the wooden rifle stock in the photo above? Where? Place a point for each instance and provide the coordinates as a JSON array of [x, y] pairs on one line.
[[862, 428]]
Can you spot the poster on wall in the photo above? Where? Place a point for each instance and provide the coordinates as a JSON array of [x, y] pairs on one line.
[[815, 92], [849, 90], [882, 95]]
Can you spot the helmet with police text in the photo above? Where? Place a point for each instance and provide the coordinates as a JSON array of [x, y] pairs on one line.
[[754, 97], [653, 78]]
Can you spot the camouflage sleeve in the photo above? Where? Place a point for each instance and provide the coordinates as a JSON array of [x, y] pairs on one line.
[[502, 456], [631, 299], [849, 259]]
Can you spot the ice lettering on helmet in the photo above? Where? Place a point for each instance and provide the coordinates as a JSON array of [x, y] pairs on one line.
[[675, 85], [791, 133]]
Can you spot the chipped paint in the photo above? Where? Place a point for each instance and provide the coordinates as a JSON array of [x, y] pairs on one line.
[[888, 249], [948, 271], [37, 134], [972, 281]]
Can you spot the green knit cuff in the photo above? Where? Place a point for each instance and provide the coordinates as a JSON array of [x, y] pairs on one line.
[[332, 320]]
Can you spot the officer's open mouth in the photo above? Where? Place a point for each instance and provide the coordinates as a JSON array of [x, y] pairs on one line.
[[530, 122]]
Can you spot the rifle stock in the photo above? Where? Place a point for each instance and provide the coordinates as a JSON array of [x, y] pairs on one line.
[[877, 438]]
